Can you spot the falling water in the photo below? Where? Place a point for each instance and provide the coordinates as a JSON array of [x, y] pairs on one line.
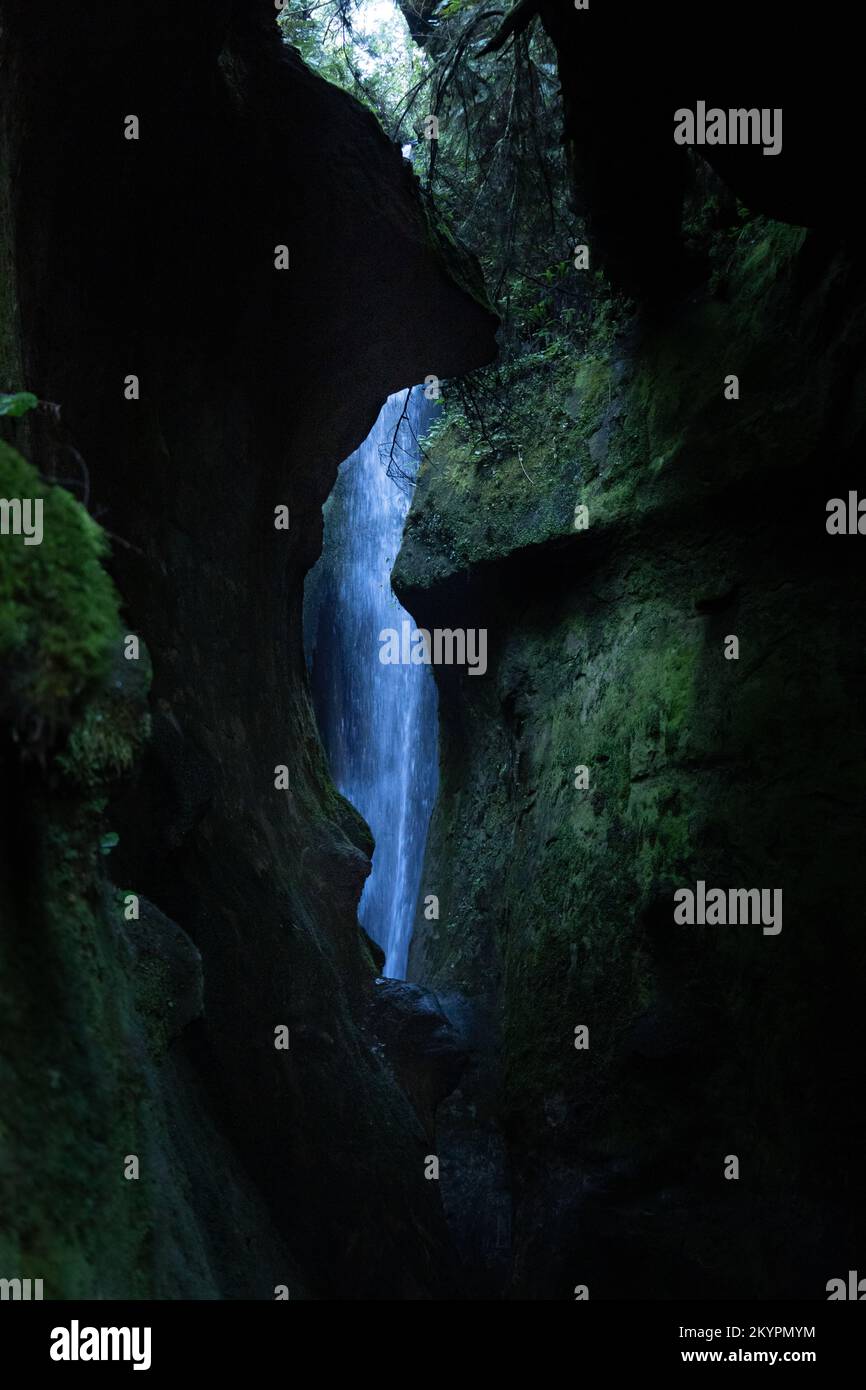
[[378, 723]]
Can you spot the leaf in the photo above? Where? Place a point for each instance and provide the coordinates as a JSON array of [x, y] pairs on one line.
[[18, 403], [108, 842]]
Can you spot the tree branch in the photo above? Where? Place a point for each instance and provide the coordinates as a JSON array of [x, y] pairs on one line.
[[514, 23]]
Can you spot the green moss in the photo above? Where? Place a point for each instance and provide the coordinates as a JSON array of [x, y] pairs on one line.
[[58, 607], [108, 737], [462, 266], [481, 497], [624, 432], [592, 385], [73, 1078], [557, 902], [105, 743], [772, 247]]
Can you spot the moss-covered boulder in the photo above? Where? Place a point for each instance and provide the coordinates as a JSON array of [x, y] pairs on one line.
[[58, 608]]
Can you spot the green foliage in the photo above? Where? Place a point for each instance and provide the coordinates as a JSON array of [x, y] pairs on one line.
[[58, 607], [364, 51], [497, 175], [18, 403], [497, 172]]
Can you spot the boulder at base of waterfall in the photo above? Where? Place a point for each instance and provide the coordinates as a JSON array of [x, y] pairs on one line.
[[417, 1040]]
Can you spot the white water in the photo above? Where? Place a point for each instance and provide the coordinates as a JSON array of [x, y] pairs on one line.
[[378, 723]]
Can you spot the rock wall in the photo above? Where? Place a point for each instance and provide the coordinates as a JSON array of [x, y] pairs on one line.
[[604, 1166], [155, 257], [625, 68]]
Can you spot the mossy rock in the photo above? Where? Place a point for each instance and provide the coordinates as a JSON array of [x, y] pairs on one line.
[[107, 738], [58, 607]]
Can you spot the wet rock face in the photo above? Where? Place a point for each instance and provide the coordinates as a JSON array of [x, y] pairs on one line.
[[418, 1041], [156, 257], [556, 897], [167, 975]]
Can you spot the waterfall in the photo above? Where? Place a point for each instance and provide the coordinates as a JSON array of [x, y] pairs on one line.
[[378, 722]]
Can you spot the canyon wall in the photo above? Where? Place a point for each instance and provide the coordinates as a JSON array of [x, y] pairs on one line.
[[154, 1037], [604, 1165]]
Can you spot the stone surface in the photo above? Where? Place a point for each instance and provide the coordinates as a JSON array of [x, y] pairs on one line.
[[156, 257], [556, 904], [625, 70], [417, 1040]]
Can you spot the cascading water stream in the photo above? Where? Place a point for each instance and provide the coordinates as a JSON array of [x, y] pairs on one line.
[[378, 722]]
